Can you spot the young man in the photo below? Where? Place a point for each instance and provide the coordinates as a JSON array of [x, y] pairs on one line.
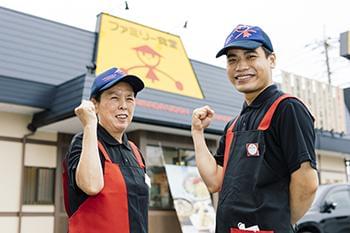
[[265, 166], [105, 184]]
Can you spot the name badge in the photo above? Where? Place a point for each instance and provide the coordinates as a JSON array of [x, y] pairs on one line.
[[252, 149], [148, 181]]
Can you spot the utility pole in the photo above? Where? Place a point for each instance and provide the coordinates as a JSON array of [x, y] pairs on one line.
[[326, 47]]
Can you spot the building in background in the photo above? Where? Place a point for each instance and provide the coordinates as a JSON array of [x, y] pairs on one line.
[[47, 68], [326, 102]]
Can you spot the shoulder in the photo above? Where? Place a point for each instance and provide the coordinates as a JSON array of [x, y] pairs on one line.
[[76, 143], [77, 138], [293, 108]]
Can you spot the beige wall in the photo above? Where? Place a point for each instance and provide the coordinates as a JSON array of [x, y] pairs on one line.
[[14, 127], [40, 155], [10, 171], [331, 167], [37, 224], [9, 224]]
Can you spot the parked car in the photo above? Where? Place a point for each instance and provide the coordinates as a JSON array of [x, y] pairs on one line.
[[330, 211]]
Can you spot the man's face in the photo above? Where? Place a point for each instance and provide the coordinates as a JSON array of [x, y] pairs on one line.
[[116, 108], [249, 70]]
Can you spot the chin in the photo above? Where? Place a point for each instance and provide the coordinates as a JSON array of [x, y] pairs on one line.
[[244, 89]]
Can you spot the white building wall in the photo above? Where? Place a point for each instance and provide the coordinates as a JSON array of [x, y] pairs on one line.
[[326, 102], [9, 224], [37, 224], [40, 155], [10, 171], [332, 168], [13, 127]]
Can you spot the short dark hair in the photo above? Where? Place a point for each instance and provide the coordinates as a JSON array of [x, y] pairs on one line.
[[97, 97], [266, 51]]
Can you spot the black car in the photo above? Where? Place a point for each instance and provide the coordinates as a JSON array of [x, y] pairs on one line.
[[330, 211]]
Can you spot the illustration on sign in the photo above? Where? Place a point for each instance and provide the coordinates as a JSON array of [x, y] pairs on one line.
[[191, 199], [151, 59]]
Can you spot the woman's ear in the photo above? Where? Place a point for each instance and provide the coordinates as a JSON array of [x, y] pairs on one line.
[[96, 104]]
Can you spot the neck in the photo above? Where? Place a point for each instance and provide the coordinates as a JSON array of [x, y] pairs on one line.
[[116, 135], [250, 97]]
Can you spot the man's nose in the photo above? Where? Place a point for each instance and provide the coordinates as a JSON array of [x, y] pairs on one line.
[[242, 65]]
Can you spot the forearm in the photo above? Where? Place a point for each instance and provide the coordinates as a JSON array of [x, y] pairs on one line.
[[210, 172], [89, 174], [303, 187]]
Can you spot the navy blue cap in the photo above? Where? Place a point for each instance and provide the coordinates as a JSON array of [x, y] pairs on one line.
[[113, 76], [246, 37]]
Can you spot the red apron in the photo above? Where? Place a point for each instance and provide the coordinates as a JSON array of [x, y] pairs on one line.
[[106, 212]]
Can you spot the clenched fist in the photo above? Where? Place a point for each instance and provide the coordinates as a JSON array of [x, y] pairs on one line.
[[86, 113], [201, 118]]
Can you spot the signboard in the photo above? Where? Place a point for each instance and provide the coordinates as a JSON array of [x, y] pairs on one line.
[[191, 199], [345, 44], [159, 58]]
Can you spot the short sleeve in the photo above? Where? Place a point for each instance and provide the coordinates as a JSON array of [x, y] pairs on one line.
[[219, 155], [296, 134], [73, 157]]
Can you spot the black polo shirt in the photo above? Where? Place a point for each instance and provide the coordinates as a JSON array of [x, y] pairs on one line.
[[290, 139], [119, 153]]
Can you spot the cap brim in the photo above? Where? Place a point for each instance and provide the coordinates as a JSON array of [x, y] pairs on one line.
[[135, 82], [244, 44]]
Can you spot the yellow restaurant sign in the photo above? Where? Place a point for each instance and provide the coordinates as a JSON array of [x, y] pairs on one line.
[[157, 57]]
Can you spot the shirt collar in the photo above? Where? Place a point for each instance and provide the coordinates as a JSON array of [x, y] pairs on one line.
[[103, 134], [262, 97]]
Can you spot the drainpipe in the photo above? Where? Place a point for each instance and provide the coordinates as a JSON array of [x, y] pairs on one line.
[[20, 214], [347, 169]]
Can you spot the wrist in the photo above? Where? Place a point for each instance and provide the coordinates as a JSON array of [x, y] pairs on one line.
[[90, 126], [197, 132]]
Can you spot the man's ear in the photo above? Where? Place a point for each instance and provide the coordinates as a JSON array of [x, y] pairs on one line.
[[272, 60]]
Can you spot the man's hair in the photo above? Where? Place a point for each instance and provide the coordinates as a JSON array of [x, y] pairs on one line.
[[266, 51]]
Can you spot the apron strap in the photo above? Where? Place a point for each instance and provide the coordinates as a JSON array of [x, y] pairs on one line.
[[265, 122], [137, 154], [103, 150], [228, 141]]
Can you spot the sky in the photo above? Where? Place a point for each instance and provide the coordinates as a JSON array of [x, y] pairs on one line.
[[297, 28]]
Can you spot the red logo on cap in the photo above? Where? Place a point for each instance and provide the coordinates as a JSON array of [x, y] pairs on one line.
[[244, 30]]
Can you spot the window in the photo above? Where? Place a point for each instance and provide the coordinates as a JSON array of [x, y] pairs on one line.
[[39, 185], [160, 197], [341, 198]]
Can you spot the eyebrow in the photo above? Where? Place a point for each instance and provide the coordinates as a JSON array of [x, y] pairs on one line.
[[245, 53], [116, 93]]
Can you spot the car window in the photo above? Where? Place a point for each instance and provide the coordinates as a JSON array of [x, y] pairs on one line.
[[341, 198]]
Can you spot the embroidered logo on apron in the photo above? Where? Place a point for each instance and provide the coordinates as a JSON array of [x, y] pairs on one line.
[[252, 149]]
